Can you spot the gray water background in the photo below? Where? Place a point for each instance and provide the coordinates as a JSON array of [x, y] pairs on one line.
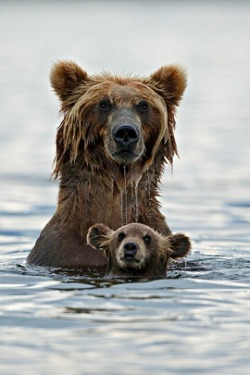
[[197, 320]]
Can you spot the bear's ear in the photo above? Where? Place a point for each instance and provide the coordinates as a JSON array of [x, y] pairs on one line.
[[97, 235], [65, 77], [170, 82], [180, 245]]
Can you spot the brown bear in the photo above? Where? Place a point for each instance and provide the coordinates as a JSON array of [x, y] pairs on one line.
[[136, 250], [111, 146]]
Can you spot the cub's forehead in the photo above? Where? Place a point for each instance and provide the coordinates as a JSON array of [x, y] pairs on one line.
[[136, 229]]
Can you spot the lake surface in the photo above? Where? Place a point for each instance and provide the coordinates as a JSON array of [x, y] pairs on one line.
[[197, 320]]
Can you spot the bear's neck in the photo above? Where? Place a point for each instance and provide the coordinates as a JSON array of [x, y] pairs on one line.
[[90, 196]]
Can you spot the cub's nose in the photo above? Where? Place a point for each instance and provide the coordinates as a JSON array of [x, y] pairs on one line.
[[125, 135], [130, 249]]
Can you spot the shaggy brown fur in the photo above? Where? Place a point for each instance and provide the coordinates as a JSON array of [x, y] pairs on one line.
[[114, 139], [137, 250]]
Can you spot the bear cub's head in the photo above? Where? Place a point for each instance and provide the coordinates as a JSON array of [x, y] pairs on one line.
[[137, 250]]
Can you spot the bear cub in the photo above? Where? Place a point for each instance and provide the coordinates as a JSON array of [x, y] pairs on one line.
[[137, 250]]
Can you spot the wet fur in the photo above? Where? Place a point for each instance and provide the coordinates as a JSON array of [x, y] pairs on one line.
[[91, 182], [152, 259]]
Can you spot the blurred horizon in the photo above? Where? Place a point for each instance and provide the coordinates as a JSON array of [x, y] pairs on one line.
[[210, 39]]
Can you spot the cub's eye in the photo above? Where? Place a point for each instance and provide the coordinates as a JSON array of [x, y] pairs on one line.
[[121, 236], [104, 105], [143, 106], [147, 239]]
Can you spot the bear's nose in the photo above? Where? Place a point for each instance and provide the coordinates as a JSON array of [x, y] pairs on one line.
[[125, 135], [130, 249]]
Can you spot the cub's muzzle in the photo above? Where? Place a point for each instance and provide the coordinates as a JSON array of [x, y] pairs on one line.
[[130, 249]]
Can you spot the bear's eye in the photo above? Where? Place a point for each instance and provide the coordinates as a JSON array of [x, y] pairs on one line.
[[104, 105], [121, 236], [147, 239], [143, 106]]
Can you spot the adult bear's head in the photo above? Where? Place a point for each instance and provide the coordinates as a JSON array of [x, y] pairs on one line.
[[116, 121]]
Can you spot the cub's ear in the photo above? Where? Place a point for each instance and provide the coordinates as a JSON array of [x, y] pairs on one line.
[[180, 245], [97, 235], [65, 77], [170, 82]]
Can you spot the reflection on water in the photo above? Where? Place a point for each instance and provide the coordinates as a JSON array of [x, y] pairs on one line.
[[132, 327], [195, 321]]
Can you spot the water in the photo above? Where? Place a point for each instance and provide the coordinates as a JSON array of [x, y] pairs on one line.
[[197, 320]]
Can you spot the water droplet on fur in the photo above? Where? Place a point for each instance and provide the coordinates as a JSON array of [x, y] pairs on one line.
[[148, 194], [125, 195], [136, 202], [121, 207], [124, 199]]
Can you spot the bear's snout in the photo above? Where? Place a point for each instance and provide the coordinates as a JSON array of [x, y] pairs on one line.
[[130, 249], [124, 142], [125, 136]]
